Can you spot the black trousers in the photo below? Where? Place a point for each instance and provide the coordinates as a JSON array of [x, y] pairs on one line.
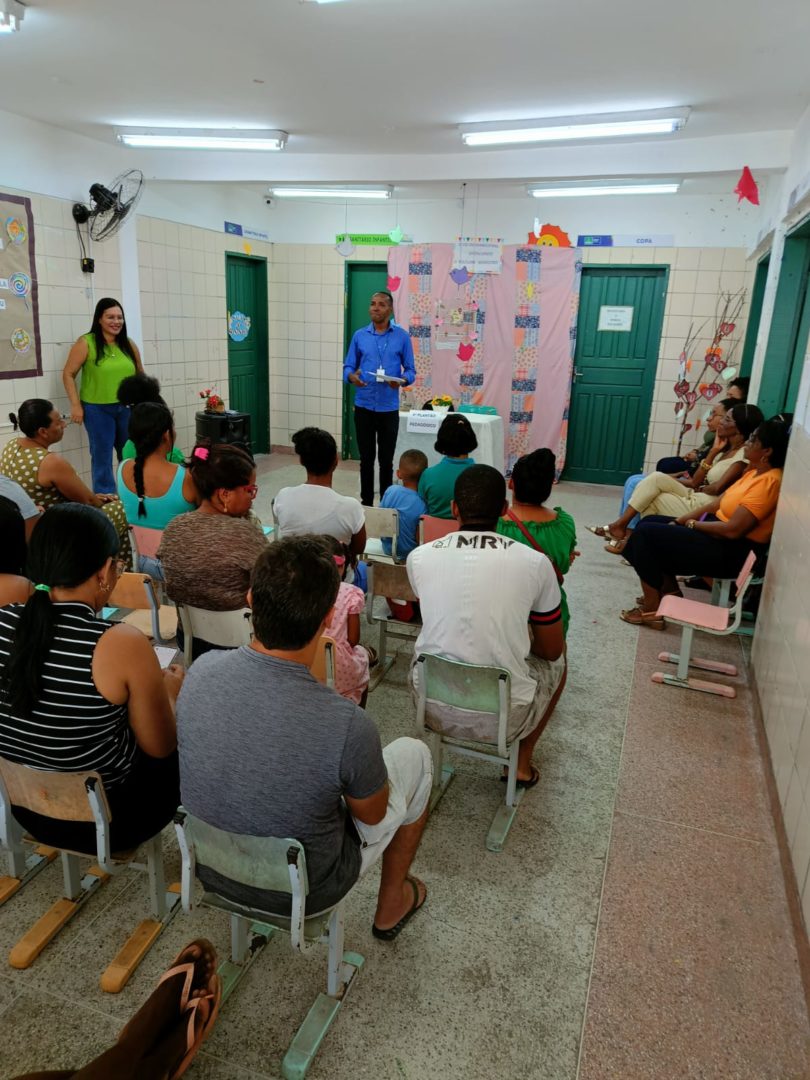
[[658, 551], [376, 439]]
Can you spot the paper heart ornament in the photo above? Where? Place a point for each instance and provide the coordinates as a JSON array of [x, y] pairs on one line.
[[465, 352], [396, 235], [710, 392], [681, 388], [394, 283], [690, 399], [686, 427], [345, 247], [716, 362], [679, 407], [460, 276], [726, 328]]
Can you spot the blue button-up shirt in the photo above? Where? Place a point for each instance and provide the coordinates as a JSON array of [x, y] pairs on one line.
[[368, 351]]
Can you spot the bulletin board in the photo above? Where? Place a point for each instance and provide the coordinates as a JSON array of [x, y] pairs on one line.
[[20, 343]]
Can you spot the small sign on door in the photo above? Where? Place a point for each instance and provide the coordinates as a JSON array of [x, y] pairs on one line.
[[615, 318]]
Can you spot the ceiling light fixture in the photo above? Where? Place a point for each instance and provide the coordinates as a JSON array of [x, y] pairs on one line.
[[330, 193], [201, 138], [12, 14], [605, 187], [571, 128]]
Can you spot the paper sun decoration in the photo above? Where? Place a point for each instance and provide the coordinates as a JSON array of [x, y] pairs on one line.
[[550, 236]]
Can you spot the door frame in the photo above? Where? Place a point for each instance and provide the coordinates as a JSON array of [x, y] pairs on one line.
[[648, 382], [347, 418], [755, 313], [786, 320], [263, 370]]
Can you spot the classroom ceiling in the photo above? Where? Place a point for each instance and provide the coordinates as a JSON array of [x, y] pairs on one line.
[[359, 80]]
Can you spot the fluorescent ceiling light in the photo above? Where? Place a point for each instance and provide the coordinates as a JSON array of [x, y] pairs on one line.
[[606, 188], [568, 128], [12, 14], [201, 139], [330, 193]]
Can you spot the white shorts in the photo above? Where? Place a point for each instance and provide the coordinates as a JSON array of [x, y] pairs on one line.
[[410, 777]]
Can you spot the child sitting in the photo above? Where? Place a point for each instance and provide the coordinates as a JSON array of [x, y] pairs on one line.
[[456, 441], [352, 660], [407, 501]]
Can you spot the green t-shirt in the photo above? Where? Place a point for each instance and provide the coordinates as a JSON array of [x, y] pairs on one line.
[[437, 484], [557, 538], [100, 381], [175, 455]]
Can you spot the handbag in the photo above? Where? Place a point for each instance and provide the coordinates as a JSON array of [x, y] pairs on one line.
[[535, 544]]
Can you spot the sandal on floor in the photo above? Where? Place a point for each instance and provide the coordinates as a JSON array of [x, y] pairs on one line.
[[373, 658], [199, 1027], [636, 617], [599, 530], [394, 931], [533, 779], [615, 547]]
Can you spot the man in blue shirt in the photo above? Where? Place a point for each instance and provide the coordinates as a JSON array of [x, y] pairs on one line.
[[378, 356]]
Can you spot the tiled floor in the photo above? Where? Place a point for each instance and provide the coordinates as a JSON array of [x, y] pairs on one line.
[[678, 962]]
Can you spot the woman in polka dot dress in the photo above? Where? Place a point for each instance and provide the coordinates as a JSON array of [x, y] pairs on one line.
[[49, 478]]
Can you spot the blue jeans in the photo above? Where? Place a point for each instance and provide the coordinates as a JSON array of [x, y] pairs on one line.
[[107, 428], [630, 486]]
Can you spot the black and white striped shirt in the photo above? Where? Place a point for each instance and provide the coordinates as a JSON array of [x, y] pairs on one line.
[[72, 728]]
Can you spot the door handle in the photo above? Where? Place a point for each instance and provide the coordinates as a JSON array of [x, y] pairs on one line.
[[577, 374]]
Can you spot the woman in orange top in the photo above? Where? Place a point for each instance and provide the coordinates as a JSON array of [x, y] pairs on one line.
[[713, 540]]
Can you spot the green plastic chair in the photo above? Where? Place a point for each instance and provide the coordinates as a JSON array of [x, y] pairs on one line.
[[269, 863], [481, 410], [479, 689]]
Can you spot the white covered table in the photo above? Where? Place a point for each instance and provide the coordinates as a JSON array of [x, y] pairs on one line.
[[488, 430]]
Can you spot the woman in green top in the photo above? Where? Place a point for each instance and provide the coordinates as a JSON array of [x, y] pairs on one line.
[[551, 531], [456, 440], [105, 357]]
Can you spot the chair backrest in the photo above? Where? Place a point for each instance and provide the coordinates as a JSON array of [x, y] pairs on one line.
[[147, 541], [57, 795], [228, 629], [434, 528], [323, 666], [134, 591], [466, 686], [746, 571], [382, 521], [389, 580]]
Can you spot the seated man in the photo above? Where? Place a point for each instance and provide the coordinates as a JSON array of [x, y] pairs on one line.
[[491, 601], [266, 750]]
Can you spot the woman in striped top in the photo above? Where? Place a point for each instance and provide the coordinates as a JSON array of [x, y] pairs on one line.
[[78, 693]]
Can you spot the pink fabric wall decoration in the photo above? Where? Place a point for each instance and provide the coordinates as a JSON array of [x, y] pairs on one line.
[[521, 324]]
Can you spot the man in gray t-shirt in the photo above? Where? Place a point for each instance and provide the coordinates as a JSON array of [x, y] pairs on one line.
[[266, 750], [31, 513]]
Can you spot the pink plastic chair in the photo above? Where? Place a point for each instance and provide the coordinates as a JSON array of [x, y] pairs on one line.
[[434, 528], [147, 541], [694, 615]]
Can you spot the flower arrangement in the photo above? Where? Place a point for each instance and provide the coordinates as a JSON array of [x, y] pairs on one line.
[[213, 402], [443, 401], [716, 362]]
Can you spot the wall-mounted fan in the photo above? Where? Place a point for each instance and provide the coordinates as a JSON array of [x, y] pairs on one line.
[[108, 209]]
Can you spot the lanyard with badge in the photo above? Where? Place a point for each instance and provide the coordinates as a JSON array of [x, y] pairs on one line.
[[381, 376]]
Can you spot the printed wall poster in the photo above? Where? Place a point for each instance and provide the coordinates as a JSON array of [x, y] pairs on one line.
[[20, 345]]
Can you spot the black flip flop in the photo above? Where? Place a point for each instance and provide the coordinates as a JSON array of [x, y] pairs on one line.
[[525, 783], [394, 931]]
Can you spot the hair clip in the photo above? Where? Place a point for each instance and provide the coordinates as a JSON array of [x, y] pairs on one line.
[[340, 560], [202, 453]]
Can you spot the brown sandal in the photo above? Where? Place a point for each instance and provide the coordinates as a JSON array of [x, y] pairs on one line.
[[636, 617]]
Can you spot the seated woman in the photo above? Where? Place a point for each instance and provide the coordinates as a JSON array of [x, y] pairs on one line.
[[207, 556], [134, 390], [14, 587], [551, 532], [456, 440], [48, 478], [741, 520], [154, 490], [722, 467], [313, 507], [106, 706]]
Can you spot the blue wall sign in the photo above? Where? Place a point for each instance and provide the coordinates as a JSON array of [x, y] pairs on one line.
[[589, 240]]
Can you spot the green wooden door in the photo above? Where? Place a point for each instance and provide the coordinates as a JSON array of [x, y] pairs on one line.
[[799, 352], [614, 372], [362, 280], [248, 361], [787, 336]]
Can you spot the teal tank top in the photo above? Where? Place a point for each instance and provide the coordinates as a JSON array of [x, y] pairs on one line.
[[160, 511]]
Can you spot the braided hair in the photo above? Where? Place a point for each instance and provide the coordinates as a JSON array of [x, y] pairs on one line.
[[148, 424]]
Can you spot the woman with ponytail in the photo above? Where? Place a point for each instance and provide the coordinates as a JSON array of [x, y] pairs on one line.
[[105, 705], [48, 478], [153, 489]]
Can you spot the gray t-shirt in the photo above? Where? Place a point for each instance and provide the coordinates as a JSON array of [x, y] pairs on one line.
[[266, 750], [11, 490]]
